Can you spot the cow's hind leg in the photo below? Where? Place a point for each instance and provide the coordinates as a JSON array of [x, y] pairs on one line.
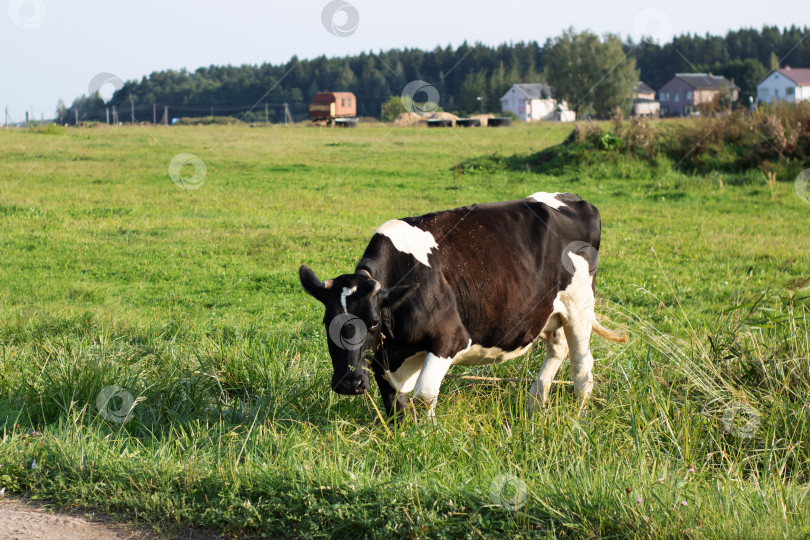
[[579, 335], [556, 351], [578, 317]]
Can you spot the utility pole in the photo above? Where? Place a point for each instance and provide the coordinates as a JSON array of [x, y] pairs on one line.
[[76, 113], [154, 113], [287, 116], [132, 104], [115, 116], [26, 118], [165, 115], [6, 122], [108, 115], [266, 121]]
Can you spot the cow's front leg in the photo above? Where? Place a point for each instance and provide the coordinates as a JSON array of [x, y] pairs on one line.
[[426, 391], [395, 403], [434, 368]]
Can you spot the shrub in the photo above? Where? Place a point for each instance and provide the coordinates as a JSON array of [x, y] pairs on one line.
[[641, 135], [616, 118], [208, 120], [609, 141], [48, 129], [774, 140], [587, 131]]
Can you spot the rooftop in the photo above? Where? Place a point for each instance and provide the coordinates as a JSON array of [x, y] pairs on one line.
[[800, 76], [535, 90], [704, 80], [643, 88]]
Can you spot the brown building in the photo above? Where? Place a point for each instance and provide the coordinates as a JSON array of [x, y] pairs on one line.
[[685, 91], [328, 106]]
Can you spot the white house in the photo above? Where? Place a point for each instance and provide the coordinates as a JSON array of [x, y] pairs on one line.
[[786, 84], [644, 103], [533, 102]]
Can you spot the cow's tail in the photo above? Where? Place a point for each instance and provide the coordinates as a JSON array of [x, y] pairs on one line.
[[606, 333]]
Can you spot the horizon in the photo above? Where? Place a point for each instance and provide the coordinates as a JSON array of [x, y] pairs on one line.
[[51, 60]]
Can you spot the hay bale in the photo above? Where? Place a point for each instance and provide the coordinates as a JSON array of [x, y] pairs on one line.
[[409, 119], [483, 118], [441, 115]]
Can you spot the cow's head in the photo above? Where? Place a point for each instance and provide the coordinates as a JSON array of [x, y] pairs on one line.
[[354, 303]]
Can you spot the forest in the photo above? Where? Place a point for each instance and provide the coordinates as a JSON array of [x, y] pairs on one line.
[[256, 93]]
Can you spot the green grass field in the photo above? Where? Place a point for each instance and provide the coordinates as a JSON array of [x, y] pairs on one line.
[[188, 301]]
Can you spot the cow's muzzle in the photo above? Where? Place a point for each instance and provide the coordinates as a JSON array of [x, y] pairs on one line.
[[350, 386]]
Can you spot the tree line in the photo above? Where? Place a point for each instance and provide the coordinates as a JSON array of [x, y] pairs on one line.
[[593, 74]]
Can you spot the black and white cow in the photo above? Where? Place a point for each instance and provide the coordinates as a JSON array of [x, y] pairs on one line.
[[470, 286]]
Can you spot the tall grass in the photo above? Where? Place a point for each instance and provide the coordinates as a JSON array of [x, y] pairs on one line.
[[185, 307], [231, 433]]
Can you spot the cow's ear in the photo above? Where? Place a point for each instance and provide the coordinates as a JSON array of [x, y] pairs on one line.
[[315, 287], [394, 296]]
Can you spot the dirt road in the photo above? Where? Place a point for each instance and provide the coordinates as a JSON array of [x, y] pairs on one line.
[[23, 520]]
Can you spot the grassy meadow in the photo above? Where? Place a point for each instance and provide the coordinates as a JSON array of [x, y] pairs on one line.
[[185, 304]]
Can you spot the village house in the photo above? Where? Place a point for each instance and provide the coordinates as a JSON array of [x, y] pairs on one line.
[[644, 103], [682, 94], [785, 84], [534, 102]]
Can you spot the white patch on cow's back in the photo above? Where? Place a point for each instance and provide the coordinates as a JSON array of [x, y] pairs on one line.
[[344, 295], [549, 199], [404, 378], [409, 239]]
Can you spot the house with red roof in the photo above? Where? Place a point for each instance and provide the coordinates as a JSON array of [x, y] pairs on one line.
[[785, 84]]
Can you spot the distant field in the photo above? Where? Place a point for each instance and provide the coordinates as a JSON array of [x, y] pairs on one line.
[[188, 301]]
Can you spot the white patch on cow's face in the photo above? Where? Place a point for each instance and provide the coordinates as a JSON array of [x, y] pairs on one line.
[[404, 378], [409, 239], [344, 295], [549, 199]]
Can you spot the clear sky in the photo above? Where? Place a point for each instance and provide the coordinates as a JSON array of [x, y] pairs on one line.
[[51, 49]]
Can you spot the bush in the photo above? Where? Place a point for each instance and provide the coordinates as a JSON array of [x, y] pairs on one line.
[[584, 132], [392, 108], [48, 129], [641, 135], [775, 140], [207, 120]]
